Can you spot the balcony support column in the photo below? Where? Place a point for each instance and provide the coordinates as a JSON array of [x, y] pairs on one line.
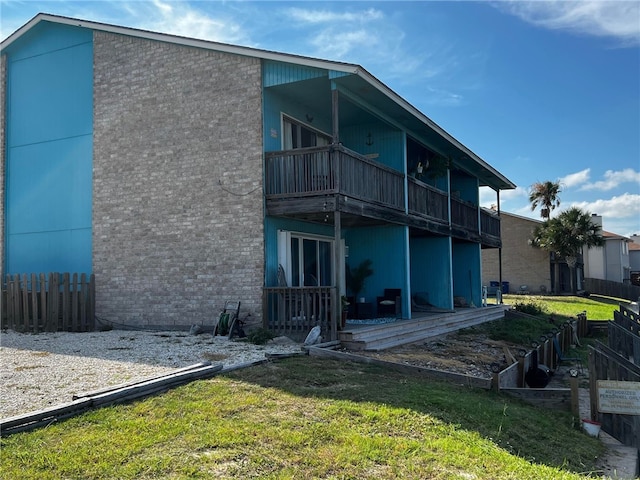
[[338, 260], [499, 249], [335, 110]]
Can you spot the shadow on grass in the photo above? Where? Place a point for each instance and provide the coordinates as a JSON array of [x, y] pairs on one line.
[[539, 435]]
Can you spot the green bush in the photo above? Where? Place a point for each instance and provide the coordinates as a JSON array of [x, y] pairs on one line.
[[530, 307], [260, 336]]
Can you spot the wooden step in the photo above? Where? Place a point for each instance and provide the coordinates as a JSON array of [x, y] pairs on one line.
[[380, 337]]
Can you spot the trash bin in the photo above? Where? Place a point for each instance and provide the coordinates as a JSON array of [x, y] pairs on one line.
[[494, 283], [505, 287]]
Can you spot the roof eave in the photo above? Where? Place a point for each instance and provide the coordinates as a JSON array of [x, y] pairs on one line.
[[266, 55]]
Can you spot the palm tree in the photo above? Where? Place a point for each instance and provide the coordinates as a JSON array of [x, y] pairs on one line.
[[566, 236], [545, 194]]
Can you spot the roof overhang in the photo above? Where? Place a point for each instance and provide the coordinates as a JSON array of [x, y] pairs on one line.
[[396, 107]]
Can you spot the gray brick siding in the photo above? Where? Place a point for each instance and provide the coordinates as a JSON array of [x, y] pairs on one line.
[[177, 182]]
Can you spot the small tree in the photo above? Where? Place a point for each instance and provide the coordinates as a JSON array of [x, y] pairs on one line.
[[545, 195], [566, 236]]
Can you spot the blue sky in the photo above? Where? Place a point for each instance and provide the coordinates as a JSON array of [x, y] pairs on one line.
[[540, 90]]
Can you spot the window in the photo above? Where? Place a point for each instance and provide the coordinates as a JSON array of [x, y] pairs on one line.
[[306, 259], [297, 135]]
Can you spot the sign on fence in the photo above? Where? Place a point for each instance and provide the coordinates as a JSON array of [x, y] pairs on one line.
[[619, 397]]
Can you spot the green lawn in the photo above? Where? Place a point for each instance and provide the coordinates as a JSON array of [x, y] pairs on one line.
[[597, 307], [312, 418], [309, 418]]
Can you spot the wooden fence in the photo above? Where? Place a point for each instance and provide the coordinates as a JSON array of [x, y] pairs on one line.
[[618, 362], [50, 303], [612, 289]]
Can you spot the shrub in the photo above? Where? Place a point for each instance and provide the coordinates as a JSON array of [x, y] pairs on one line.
[[260, 336], [530, 307]]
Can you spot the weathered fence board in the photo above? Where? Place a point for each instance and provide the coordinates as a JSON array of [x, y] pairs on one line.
[[57, 302], [607, 364], [612, 289]]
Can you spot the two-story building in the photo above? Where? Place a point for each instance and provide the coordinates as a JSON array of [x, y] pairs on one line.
[[184, 172]]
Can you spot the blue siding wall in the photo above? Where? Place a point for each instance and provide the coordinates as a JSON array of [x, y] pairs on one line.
[[275, 105], [467, 186], [386, 247], [49, 150], [466, 272], [431, 269], [388, 144], [271, 227]]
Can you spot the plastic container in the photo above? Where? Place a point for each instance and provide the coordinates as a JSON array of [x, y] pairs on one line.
[[591, 427], [505, 287]]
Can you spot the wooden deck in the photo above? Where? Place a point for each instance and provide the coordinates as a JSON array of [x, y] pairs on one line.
[[401, 332]]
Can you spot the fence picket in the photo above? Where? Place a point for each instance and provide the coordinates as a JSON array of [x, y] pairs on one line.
[[25, 303], [43, 301], [74, 304], [65, 302], [83, 304], [48, 305], [34, 302], [91, 302]]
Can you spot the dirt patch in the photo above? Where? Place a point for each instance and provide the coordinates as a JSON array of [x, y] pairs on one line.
[[466, 353]]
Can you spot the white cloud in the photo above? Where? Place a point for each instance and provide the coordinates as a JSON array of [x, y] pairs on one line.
[[626, 205], [338, 44], [613, 179], [574, 179], [488, 196], [327, 16], [181, 18], [604, 18]]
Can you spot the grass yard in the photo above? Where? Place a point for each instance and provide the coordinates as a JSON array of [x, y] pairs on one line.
[[597, 307], [550, 311], [309, 418]]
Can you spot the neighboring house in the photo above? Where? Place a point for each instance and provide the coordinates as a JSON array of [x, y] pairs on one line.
[[611, 261], [634, 259], [183, 173], [522, 265]]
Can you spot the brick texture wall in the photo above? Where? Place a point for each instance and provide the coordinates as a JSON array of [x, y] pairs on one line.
[[522, 264], [177, 187]]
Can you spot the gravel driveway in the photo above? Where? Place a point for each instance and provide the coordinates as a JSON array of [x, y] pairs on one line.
[[42, 370]]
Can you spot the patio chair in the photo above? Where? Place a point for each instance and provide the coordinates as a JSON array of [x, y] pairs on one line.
[[562, 358], [390, 303]]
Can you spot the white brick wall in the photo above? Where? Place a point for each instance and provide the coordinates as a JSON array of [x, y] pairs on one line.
[[177, 200]]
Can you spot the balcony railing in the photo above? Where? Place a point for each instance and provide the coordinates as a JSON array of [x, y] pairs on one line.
[[489, 224], [464, 214], [425, 200], [333, 169], [293, 311]]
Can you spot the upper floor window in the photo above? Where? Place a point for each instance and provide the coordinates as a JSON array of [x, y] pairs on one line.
[[298, 135]]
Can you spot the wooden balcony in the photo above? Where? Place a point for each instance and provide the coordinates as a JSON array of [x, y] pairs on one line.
[[312, 183], [490, 229]]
